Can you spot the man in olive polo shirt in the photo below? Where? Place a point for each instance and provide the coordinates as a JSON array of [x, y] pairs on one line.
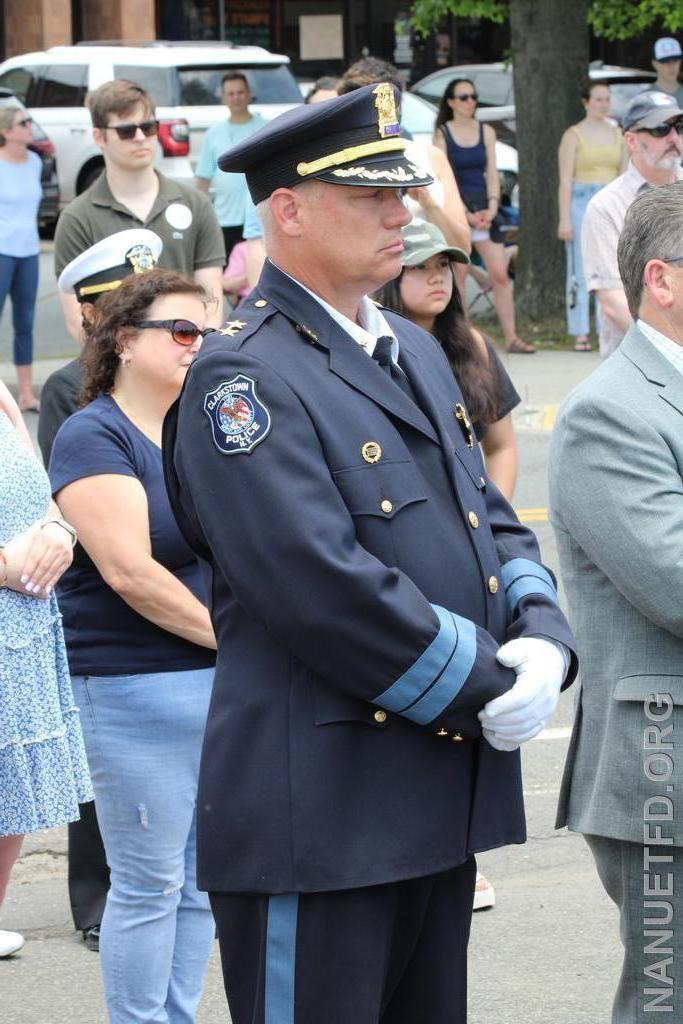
[[131, 193]]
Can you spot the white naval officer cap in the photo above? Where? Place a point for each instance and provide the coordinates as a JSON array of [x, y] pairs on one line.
[[103, 266]]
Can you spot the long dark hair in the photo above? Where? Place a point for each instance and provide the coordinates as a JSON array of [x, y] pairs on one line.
[[124, 308], [445, 113], [476, 375]]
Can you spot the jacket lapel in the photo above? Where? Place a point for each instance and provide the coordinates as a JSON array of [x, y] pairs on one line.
[[347, 358], [654, 367], [433, 405]]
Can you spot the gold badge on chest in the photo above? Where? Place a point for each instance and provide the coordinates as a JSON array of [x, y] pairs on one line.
[[465, 424], [371, 451]]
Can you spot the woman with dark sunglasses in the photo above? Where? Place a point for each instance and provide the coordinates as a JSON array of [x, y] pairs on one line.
[[20, 195], [471, 149], [140, 643]]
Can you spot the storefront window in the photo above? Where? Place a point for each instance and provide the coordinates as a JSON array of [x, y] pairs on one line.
[[195, 20]]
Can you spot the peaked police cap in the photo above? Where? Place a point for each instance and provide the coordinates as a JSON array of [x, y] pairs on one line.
[[351, 140]]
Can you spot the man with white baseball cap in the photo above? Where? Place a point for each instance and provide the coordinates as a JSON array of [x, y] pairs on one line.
[[666, 60]]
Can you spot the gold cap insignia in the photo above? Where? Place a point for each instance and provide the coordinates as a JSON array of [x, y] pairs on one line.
[[232, 327], [141, 258], [387, 115]]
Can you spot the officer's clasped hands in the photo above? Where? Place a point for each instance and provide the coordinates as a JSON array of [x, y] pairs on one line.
[[522, 712]]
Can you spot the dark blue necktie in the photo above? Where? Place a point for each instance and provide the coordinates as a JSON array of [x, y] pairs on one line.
[[382, 356]]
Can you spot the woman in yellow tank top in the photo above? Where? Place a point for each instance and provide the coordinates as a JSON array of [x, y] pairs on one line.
[[591, 154]]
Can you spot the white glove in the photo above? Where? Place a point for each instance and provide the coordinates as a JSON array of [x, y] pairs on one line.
[[522, 712]]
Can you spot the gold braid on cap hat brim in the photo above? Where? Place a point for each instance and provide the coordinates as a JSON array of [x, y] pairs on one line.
[[97, 289], [345, 156]]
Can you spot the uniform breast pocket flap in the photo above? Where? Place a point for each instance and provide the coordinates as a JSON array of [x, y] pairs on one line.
[[382, 489]]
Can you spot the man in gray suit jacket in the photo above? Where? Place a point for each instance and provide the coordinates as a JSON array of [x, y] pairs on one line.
[[616, 497]]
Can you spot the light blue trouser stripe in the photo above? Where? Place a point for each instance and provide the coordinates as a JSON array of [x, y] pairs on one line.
[[453, 677], [520, 577], [281, 958], [419, 677]]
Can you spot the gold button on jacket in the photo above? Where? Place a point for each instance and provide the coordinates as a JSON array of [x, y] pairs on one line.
[[380, 716], [493, 584], [387, 506], [474, 519]]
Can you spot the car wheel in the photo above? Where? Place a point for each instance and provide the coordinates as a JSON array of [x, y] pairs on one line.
[[88, 175]]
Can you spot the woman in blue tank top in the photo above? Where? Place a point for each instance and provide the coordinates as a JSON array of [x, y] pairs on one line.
[[471, 150]]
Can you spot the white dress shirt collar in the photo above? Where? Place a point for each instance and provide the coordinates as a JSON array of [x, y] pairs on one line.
[[671, 350], [371, 326]]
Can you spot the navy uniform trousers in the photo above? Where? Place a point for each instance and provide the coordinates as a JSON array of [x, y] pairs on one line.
[[362, 575], [394, 953]]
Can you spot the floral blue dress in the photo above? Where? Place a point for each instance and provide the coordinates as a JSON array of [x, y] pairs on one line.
[[43, 769]]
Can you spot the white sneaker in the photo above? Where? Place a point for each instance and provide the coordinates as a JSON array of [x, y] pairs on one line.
[[484, 893], [10, 942]]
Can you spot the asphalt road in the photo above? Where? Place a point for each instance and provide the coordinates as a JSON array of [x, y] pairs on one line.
[[548, 953]]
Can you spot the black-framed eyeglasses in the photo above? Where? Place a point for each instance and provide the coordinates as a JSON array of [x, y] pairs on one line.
[[466, 96], [672, 259], [184, 332], [129, 131], [24, 123], [660, 131]]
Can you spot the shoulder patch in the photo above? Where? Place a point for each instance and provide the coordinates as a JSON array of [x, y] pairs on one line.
[[239, 419]]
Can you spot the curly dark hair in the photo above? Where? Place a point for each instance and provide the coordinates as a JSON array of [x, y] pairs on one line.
[[367, 71], [444, 112], [476, 375], [126, 307]]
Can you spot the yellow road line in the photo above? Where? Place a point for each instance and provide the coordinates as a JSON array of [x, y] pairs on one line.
[[549, 415], [532, 515]]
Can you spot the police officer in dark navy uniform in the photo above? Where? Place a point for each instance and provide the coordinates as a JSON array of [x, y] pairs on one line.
[[387, 635]]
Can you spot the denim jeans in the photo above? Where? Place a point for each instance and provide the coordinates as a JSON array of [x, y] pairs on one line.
[[578, 318], [19, 280], [143, 736]]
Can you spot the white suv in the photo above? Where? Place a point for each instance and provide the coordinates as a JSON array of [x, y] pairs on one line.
[[183, 79]]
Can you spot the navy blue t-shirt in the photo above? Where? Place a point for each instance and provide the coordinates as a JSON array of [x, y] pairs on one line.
[[105, 636]]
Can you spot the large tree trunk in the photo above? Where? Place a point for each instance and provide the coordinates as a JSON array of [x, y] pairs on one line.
[[549, 43]]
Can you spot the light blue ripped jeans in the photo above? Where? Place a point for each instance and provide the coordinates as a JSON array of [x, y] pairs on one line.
[[578, 315], [143, 737]]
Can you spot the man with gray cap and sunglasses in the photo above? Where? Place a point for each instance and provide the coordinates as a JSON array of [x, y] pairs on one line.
[[652, 126], [387, 635]]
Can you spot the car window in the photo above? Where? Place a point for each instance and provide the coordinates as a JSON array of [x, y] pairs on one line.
[[201, 86], [23, 82], [622, 94], [158, 82], [63, 85], [434, 89], [416, 117], [494, 88]]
